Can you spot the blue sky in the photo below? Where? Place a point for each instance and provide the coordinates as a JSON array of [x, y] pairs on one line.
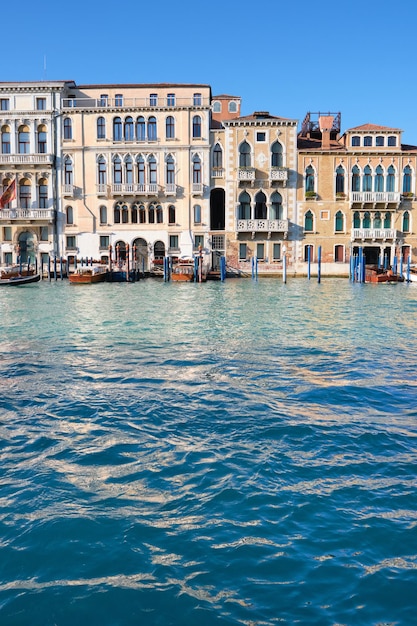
[[283, 57]]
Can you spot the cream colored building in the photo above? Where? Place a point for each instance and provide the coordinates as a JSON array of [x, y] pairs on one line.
[[357, 190], [30, 146], [135, 171], [257, 176]]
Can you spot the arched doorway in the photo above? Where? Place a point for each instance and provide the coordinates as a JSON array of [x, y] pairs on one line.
[[159, 252], [217, 209], [27, 247], [120, 251], [140, 252]]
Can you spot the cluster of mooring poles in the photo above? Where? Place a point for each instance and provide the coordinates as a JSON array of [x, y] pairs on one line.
[[284, 266]]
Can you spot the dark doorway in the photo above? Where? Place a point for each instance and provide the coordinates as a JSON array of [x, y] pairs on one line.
[[217, 209]]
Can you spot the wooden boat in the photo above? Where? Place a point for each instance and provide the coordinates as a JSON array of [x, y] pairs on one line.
[[411, 276], [183, 271], [88, 275], [375, 274], [15, 275]]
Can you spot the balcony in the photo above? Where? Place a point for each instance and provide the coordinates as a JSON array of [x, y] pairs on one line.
[[375, 197], [137, 103], [68, 190], [197, 189], [129, 189], [278, 174], [246, 174], [262, 226], [373, 234], [170, 189], [37, 215], [217, 172], [26, 159]]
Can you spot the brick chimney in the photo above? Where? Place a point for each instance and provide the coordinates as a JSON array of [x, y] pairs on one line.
[[326, 125]]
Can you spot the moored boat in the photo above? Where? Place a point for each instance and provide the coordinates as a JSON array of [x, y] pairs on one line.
[[16, 275], [183, 271], [374, 274], [88, 275], [410, 274]]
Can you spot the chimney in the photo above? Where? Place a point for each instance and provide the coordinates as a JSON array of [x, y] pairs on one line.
[[326, 125]]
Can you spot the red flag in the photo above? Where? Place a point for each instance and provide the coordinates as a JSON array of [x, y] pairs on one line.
[[8, 195]]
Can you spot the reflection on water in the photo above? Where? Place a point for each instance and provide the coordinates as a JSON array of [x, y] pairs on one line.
[[236, 453]]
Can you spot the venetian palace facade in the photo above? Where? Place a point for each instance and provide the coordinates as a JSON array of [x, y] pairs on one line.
[[157, 170]]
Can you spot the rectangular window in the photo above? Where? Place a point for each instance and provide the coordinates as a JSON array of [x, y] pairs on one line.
[[171, 100], [8, 258], [153, 99], [260, 137], [5, 142], [104, 100], [276, 252], [7, 233], [41, 104], [44, 236], [260, 251], [173, 242], [4, 104], [199, 241], [71, 242], [118, 101], [104, 241], [197, 99], [243, 252], [324, 215]]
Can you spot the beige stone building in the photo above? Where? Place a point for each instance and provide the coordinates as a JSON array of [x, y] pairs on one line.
[[356, 190], [135, 171]]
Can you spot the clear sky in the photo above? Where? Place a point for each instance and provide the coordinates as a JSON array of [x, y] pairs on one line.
[[286, 57]]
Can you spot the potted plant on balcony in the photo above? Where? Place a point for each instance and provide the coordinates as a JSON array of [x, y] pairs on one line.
[[407, 195], [310, 195], [340, 195]]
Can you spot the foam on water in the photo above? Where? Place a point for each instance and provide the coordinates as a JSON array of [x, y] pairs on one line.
[[237, 453]]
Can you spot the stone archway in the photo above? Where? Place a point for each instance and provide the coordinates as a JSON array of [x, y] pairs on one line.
[[27, 246]]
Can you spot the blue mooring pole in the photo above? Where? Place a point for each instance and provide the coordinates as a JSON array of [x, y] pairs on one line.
[[308, 262], [408, 268], [319, 265], [284, 269], [222, 268]]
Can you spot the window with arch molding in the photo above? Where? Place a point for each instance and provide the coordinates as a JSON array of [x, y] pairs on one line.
[[217, 157], [339, 224], [67, 128], [406, 222], [101, 128], [308, 221], [407, 179], [170, 127], [171, 214], [217, 107], [356, 141], [103, 214], [232, 107], [309, 180], [244, 212], [196, 127], [245, 155], [197, 214], [69, 215], [340, 180]]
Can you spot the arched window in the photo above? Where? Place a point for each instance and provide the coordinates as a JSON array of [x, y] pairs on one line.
[[170, 127], [197, 214], [367, 179], [43, 193], [5, 140], [196, 170], [125, 214], [117, 170], [244, 212], [116, 214], [67, 128], [159, 214], [356, 141], [391, 178], [340, 180], [134, 214], [140, 128], [196, 126], [142, 214], [171, 214], [152, 170], [366, 220], [276, 206], [68, 173], [151, 214], [69, 214], [103, 214], [170, 170], [392, 140], [260, 206], [356, 219], [23, 139], [339, 224], [407, 179], [387, 220], [232, 107], [101, 128], [117, 129], [101, 171], [309, 179], [367, 141], [276, 155], [217, 107], [129, 170], [379, 179], [217, 157], [152, 134], [140, 162], [406, 222], [379, 141], [377, 220], [129, 129], [308, 221], [244, 155], [42, 137], [356, 180]]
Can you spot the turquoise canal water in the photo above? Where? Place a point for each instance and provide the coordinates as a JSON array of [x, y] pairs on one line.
[[237, 453]]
